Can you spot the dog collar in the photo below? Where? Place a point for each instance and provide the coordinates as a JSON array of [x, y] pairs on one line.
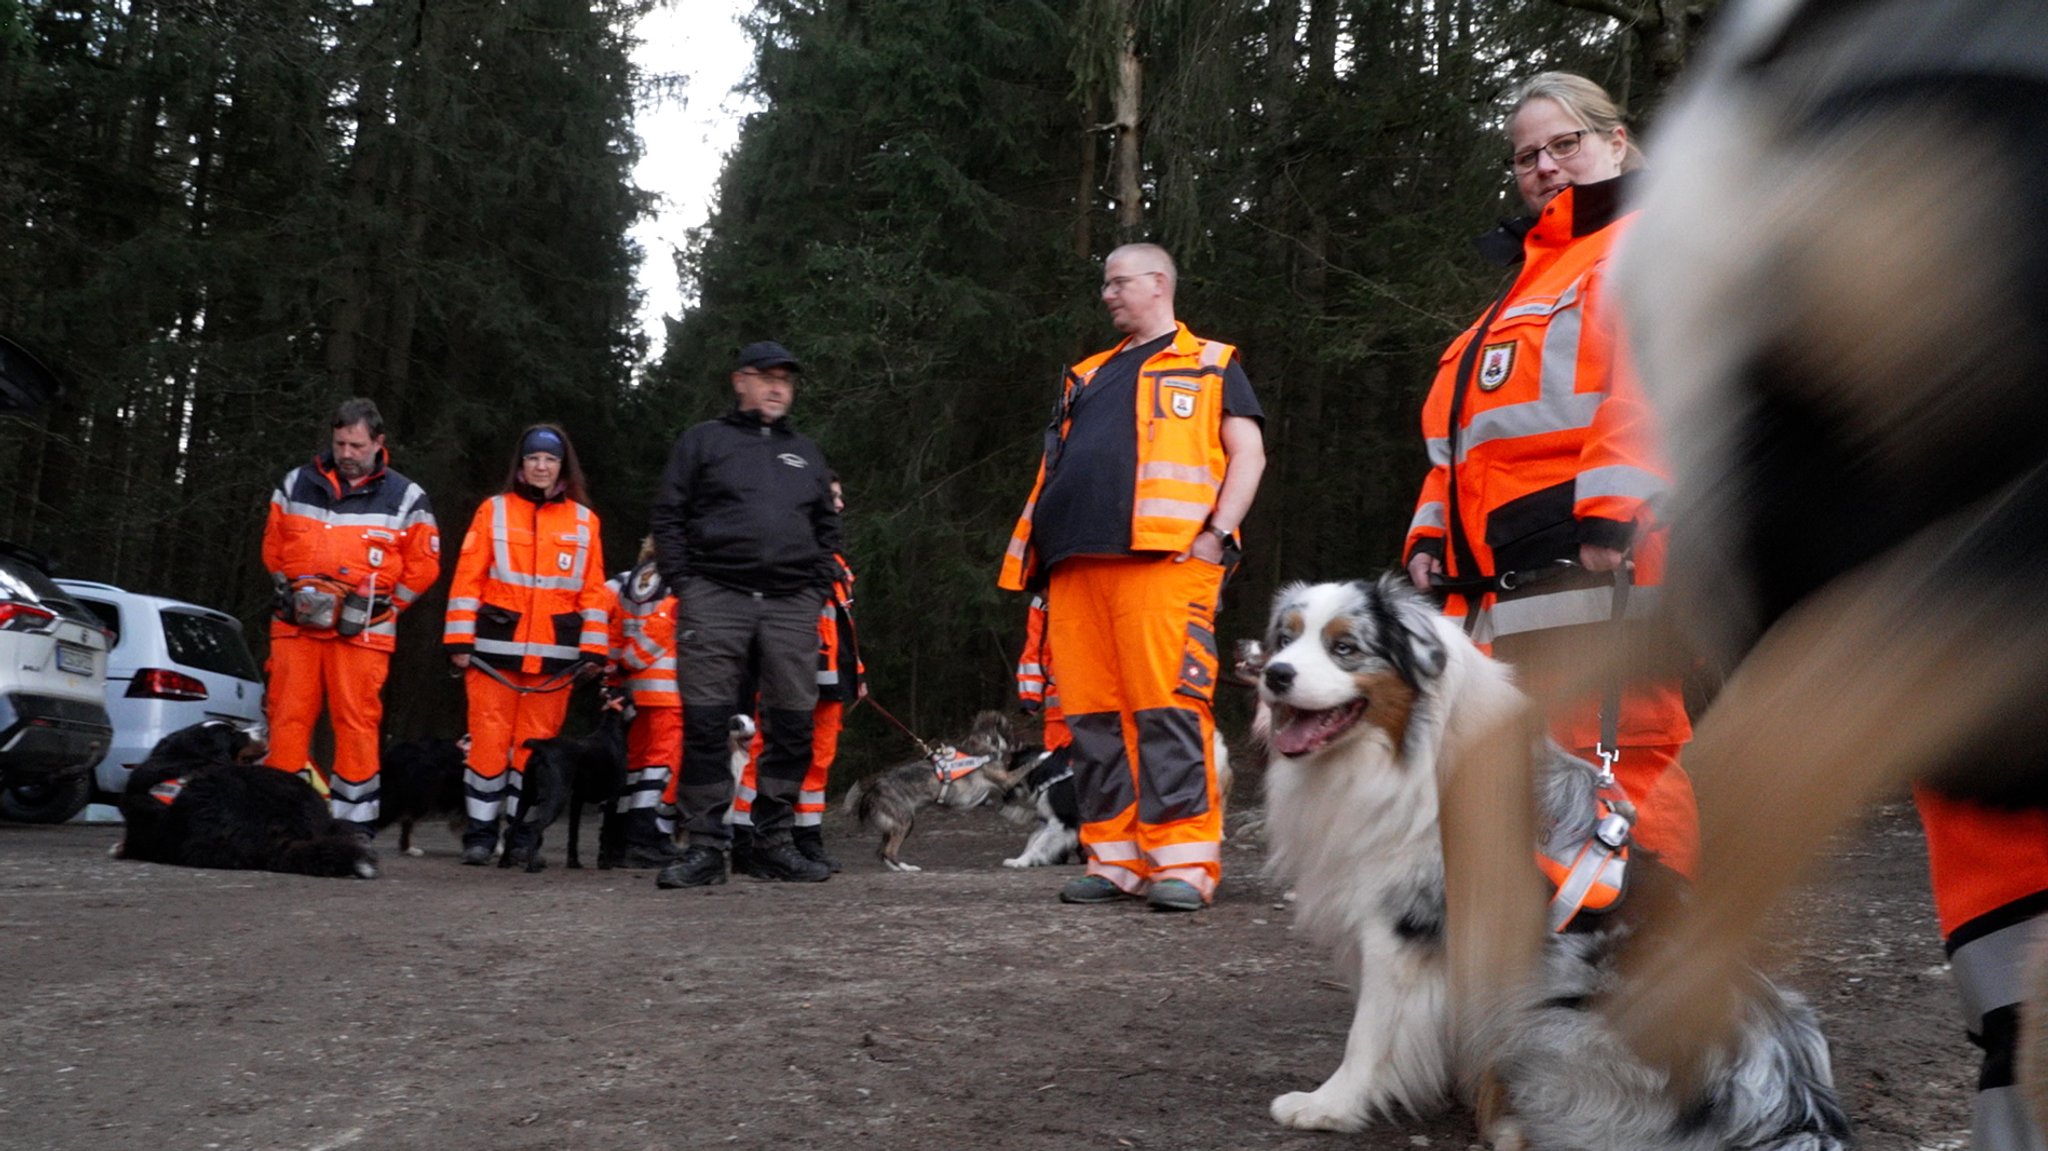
[[166, 792]]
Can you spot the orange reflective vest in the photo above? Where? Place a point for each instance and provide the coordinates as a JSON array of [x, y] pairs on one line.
[[643, 639], [1538, 436], [324, 532], [837, 679], [529, 592], [1181, 460]]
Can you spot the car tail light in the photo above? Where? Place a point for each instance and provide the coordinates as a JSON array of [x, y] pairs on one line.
[[15, 616], [158, 683]]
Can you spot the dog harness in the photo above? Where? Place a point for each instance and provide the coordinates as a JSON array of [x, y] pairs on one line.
[[1589, 874], [951, 766], [166, 792]]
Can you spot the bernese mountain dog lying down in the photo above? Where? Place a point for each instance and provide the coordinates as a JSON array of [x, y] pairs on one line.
[[201, 800]]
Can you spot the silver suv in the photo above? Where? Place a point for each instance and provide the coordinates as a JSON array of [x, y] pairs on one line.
[[174, 664], [53, 672]]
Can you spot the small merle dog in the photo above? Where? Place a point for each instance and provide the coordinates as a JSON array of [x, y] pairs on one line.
[[200, 800], [420, 779], [571, 772]]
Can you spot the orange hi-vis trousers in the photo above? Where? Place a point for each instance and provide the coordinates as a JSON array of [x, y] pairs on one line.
[[1667, 816], [826, 721], [654, 752], [501, 720], [350, 677], [1136, 645]]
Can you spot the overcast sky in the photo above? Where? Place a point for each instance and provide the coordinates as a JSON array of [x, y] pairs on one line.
[[685, 141]]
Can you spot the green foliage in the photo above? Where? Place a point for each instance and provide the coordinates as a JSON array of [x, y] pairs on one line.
[[920, 214], [223, 218]]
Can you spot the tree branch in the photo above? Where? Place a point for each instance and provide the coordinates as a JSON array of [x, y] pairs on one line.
[[1645, 15]]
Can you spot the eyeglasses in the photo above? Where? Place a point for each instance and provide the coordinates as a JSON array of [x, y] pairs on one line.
[[1560, 148], [1114, 286], [779, 375]]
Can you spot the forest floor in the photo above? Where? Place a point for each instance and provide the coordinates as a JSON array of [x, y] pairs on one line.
[[468, 1009]]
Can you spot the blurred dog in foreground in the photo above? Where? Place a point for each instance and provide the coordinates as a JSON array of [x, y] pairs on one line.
[[1375, 699], [1847, 344], [202, 800], [420, 779]]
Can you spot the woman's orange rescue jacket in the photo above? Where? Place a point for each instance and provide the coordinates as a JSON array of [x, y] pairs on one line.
[[529, 592]]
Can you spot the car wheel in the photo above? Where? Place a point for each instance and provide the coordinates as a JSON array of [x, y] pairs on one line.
[[52, 800]]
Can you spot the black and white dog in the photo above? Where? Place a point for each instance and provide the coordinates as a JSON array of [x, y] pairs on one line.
[[200, 800], [1044, 791], [1375, 698]]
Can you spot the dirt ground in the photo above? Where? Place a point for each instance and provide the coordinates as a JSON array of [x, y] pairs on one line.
[[463, 1009]]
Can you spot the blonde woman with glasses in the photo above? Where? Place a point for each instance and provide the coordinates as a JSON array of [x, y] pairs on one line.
[[1535, 524]]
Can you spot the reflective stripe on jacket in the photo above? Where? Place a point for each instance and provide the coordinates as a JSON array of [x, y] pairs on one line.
[[321, 528], [1036, 689], [1553, 446], [643, 639], [528, 593], [837, 681], [1181, 461]]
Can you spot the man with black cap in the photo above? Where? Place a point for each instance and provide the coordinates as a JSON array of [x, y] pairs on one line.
[[745, 531]]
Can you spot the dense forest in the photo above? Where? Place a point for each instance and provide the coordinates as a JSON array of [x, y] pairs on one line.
[[218, 219]]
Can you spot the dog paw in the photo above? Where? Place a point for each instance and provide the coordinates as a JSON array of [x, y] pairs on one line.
[[1020, 861], [1309, 1111], [899, 865], [416, 852], [365, 869]]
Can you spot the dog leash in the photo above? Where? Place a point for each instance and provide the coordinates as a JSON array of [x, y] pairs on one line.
[[929, 750], [554, 683]]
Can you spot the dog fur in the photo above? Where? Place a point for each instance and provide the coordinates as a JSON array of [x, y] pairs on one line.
[[1375, 699], [200, 801], [571, 772], [1044, 793], [887, 803], [420, 779]]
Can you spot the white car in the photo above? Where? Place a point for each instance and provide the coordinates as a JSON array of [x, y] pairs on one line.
[[173, 664], [53, 715]]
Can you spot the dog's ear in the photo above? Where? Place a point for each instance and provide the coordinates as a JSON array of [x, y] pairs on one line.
[[1417, 651]]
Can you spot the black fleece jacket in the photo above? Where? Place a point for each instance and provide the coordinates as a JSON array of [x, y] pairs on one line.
[[747, 505]]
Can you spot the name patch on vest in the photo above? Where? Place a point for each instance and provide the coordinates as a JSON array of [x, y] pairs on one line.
[[1496, 363]]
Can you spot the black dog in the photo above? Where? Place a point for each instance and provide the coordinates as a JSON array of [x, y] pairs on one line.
[[420, 779], [572, 771], [195, 803]]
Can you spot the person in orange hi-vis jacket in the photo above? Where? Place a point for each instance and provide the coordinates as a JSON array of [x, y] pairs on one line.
[[1152, 458], [1038, 693], [643, 670], [842, 681], [1536, 521], [349, 544], [527, 617]]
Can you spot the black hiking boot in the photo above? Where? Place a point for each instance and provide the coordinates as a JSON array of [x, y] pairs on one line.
[[779, 859], [698, 866], [810, 843]]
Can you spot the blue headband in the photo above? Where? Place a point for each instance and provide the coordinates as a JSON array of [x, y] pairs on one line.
[[543, 440]]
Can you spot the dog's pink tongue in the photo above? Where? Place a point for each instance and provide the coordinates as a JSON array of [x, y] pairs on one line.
[[1303, 733]]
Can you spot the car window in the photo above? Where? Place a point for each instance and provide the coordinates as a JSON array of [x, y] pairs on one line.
[[109, 616], [23, 581], [208, 644]]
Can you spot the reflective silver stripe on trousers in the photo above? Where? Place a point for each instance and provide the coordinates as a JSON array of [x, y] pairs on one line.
[[355, 811], [1565, 609], [1989, 971]]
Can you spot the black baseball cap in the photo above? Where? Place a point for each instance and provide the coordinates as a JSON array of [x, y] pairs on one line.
[[768, 354]]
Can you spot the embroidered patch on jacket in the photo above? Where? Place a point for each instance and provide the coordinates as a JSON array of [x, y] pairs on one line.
[[376, 557], [1182, 404], [644, 582], [794, 460], [1496, 363], [563, 560]]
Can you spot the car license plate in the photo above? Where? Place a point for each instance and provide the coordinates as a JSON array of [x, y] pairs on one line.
[[74, 659]]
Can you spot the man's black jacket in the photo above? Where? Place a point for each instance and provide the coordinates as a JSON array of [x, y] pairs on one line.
[[747, 505]]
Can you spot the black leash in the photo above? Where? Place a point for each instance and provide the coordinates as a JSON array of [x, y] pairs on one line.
[[554, 683]]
